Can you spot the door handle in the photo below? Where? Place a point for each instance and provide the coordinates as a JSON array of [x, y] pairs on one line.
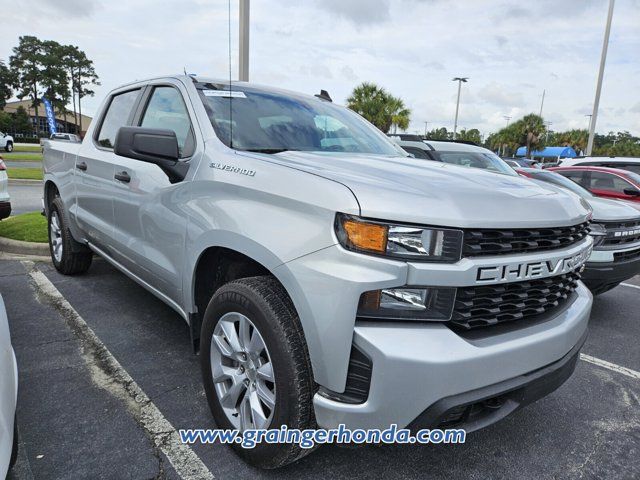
[[81, 166], [122, 176]]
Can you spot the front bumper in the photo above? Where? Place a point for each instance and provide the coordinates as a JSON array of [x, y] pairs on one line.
[[415, 366], [607, 268], [5, 210]]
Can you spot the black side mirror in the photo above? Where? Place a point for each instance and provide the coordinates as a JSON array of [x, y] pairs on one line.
[[632, 191], [152, 145]]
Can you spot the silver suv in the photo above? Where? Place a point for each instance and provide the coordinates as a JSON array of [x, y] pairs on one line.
[[326, 277]]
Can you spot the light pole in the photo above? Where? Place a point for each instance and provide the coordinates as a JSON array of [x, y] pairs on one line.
[[603, 59], [546, 137], [508, 119], [425, 129], [460, 81], [590, 115], [243, 63], [542, 102]]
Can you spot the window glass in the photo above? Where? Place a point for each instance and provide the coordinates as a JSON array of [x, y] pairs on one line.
[[417, 152], [117, 116], [608, 181], [482, 160], [556, 179], [575, 175], [166, 110], [271, 122]]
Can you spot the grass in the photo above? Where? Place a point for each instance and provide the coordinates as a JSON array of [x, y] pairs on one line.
[[21, 156], [27, 227], [25, 173], [27, 148]]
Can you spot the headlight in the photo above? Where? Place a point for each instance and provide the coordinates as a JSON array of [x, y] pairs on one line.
[[598, 232], [399, 241], [408, 303]]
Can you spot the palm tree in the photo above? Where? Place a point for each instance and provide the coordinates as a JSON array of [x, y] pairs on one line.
[[532, 128], [379, 107]]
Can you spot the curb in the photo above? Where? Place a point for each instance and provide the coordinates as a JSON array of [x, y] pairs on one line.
[[23, 248], [24, 181]]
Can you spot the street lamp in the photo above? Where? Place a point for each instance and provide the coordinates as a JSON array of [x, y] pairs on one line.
[[507, 118], [460, 81], [590, 115], [425, 129], [603, 59]]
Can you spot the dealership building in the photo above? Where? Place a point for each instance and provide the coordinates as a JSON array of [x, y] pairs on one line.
[[62, 124]]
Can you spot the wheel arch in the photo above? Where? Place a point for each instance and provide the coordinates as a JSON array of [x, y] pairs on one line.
[[254, 259]]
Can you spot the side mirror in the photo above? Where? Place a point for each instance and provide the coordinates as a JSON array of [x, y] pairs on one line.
[[152, 145], [634, 192]]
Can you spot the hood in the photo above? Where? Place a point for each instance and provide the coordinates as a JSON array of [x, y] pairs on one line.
[[413, 190], [607, 210]]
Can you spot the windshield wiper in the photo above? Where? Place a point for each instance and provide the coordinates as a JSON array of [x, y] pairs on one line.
[[269, 150]]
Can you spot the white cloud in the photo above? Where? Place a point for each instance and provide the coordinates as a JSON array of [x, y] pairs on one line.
[[511, 52]]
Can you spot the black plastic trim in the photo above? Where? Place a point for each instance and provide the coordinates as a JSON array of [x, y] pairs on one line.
[[484, 406]]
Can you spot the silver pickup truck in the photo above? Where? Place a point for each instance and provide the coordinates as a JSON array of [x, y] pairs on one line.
[[326, 277]]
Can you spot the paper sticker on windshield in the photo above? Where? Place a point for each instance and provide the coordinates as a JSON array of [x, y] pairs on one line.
[[224, 93]]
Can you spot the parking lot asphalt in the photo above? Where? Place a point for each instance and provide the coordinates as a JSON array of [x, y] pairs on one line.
[[75, 424], [25, 198]]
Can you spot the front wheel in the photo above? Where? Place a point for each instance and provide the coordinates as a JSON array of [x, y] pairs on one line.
[[256, 367], [68, 256], [9, 147]]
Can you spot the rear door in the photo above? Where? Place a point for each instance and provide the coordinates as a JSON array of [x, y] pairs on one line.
[[149, 227], [94, 170]]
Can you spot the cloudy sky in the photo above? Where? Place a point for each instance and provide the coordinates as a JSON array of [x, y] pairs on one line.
[[511, 50]]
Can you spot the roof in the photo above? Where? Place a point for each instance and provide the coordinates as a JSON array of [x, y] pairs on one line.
[[616, 171], [444, 146], [11, 107], [548, 152]]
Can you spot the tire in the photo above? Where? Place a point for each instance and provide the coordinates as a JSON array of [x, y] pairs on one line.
[[9, 147], [265, 303], [14, 450], [68, 256]]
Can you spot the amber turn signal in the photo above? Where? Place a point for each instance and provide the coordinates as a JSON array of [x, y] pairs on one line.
[[371, 237]]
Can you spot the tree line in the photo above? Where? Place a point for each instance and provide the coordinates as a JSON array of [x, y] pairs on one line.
[[37, 69]]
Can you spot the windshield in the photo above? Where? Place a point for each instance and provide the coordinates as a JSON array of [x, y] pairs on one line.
[[484, 160], [269, 122], [561, 181]]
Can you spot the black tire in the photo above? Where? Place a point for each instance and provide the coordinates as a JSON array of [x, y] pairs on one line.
[[264, 301], [9, 147], [76, 258], [14, 450]]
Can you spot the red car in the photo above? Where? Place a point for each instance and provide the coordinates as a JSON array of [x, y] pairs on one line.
[[605, 181]]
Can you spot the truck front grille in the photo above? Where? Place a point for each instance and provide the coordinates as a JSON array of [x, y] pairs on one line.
[[625, 256], [523, 240], [628, 232], [494, 304]]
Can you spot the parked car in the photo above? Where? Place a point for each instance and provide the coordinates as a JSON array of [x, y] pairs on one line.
[[5, 200], [455, 153], [66, 137], [605, 182], [6, 142], [8, 397], [624, 163], [615, 230], [327, 277], [525, 162]]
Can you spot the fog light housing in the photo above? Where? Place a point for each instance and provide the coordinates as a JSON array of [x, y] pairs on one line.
[[408, 303]]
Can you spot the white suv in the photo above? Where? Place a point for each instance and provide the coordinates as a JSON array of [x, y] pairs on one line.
[[6, 142]]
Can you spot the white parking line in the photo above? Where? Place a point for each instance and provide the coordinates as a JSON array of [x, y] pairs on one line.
[[108, 374], [630, 285], [611, 366]]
